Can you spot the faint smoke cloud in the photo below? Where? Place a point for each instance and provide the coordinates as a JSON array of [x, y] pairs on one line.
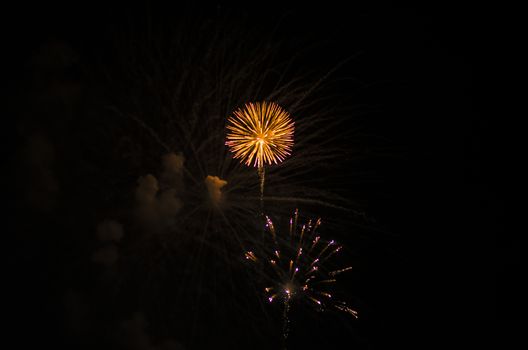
[[172, 174], [135, 337], [43, 186], [157, 209], [147, 190], [110, 230], [77, 312], [52, 72], [214, 186], [147, 211], [169, 205], [106, 255]]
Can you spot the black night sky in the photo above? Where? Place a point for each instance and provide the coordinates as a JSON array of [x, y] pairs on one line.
[[390, 150]]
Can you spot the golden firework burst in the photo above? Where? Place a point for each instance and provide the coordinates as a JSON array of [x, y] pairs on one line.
[[260, 133]]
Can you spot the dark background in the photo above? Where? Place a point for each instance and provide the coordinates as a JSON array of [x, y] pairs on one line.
[[435, 193]]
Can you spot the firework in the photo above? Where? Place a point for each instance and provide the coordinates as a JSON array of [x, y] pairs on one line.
[[296, 266], [175, 103], [260, 133]]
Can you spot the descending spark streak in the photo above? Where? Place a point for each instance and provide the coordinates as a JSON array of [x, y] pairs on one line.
[[337, 272], [251, 256], [345, 308], [271, 227], [286, 323]]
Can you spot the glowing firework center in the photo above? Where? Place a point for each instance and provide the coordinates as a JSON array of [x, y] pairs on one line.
[[260, 133]]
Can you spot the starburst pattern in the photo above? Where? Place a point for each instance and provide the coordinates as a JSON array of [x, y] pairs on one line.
[[260, 133], [295, 267]]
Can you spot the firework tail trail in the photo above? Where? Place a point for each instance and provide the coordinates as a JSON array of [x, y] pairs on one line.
[[285, 322], [262, 176]]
